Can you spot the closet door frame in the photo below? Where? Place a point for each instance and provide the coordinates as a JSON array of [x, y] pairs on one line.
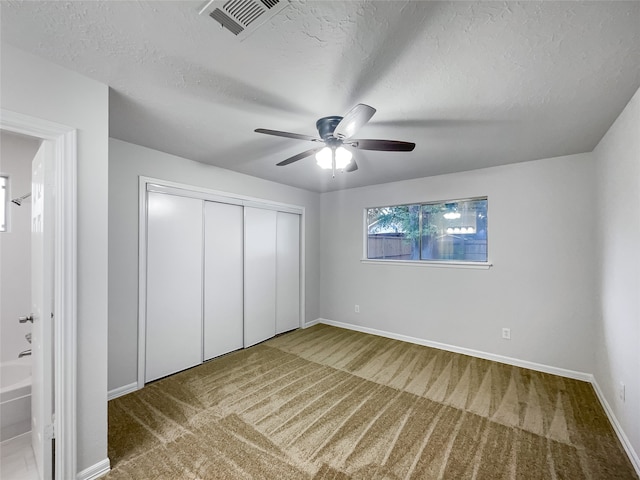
[[150, 184]]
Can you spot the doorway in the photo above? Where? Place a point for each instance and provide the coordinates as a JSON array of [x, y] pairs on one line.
[[60, 177], [19, 355]]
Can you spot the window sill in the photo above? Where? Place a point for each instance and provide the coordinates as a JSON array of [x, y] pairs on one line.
[[423, 263]]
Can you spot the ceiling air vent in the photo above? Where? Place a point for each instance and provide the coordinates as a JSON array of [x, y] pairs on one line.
[[242, 17]]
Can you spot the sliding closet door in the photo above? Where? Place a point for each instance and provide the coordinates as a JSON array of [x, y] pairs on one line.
[[174, 284], [259, 275], [287, 272], [223, 279]]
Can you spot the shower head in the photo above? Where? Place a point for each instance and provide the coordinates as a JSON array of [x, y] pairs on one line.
[[18, 201]]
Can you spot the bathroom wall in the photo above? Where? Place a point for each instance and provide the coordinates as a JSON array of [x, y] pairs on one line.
[[16, 153]]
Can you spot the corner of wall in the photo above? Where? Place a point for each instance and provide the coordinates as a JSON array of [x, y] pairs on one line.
[[95, 471], [617, 336]]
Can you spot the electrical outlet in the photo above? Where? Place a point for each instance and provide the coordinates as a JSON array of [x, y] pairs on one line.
[[506, 333], [357, 308], [621, 391]]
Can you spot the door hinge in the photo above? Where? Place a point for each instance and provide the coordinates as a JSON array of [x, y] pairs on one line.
[[49, 431]]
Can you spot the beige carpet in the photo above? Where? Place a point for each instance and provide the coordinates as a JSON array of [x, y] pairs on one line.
[[328, 403]]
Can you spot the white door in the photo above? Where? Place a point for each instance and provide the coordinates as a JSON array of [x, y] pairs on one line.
[[174, 284], [287, 272], [41, 310], [223, 281], [259, 275]]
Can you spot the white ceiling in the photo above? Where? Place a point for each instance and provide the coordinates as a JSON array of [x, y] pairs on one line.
[[473, 84]]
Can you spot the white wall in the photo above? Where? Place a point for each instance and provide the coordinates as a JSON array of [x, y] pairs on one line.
[[36, 87], [618, 326], [16, 154], [541, 244], [126, 163]]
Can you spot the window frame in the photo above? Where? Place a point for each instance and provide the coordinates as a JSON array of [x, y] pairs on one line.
[[423, 263]]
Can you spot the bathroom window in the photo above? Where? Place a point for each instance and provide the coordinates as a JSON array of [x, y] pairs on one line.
[[4, 185]]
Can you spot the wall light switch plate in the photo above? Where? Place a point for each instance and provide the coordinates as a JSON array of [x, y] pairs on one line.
[[506, 333]]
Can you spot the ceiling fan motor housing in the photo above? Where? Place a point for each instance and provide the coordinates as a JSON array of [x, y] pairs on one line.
[[326, 126]]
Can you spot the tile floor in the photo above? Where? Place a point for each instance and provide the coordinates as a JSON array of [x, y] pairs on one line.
[[16, 459]]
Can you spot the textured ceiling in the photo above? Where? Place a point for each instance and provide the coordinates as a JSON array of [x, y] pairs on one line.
[[473, 84]]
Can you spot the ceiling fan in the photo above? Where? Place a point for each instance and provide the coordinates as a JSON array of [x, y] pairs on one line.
[[336, 133]]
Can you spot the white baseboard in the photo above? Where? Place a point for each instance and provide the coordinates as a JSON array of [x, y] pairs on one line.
[[587, 377], [562, 372], [95, 471], [120, 391], [312, 323], [631, 453]]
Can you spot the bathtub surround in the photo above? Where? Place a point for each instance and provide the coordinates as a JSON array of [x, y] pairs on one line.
[[15, 398], [16, 154], [326, 402]]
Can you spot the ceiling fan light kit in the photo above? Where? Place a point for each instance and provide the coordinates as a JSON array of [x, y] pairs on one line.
[[336, 132], [324, 158]]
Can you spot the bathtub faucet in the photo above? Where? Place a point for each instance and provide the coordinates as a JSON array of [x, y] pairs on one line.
[[24, 354]]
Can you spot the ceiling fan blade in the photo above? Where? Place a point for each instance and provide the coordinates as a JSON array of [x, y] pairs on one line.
[[353, 121], [352, 167], [278, 133], [299, 156], [382, 145]]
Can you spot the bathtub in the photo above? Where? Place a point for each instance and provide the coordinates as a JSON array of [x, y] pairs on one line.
[[15, 398]]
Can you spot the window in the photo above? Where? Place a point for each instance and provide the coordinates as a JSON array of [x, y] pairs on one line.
[[451, 231], [4, 198]]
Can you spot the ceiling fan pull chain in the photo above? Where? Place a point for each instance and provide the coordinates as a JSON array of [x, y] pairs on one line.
[[333, 162]]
